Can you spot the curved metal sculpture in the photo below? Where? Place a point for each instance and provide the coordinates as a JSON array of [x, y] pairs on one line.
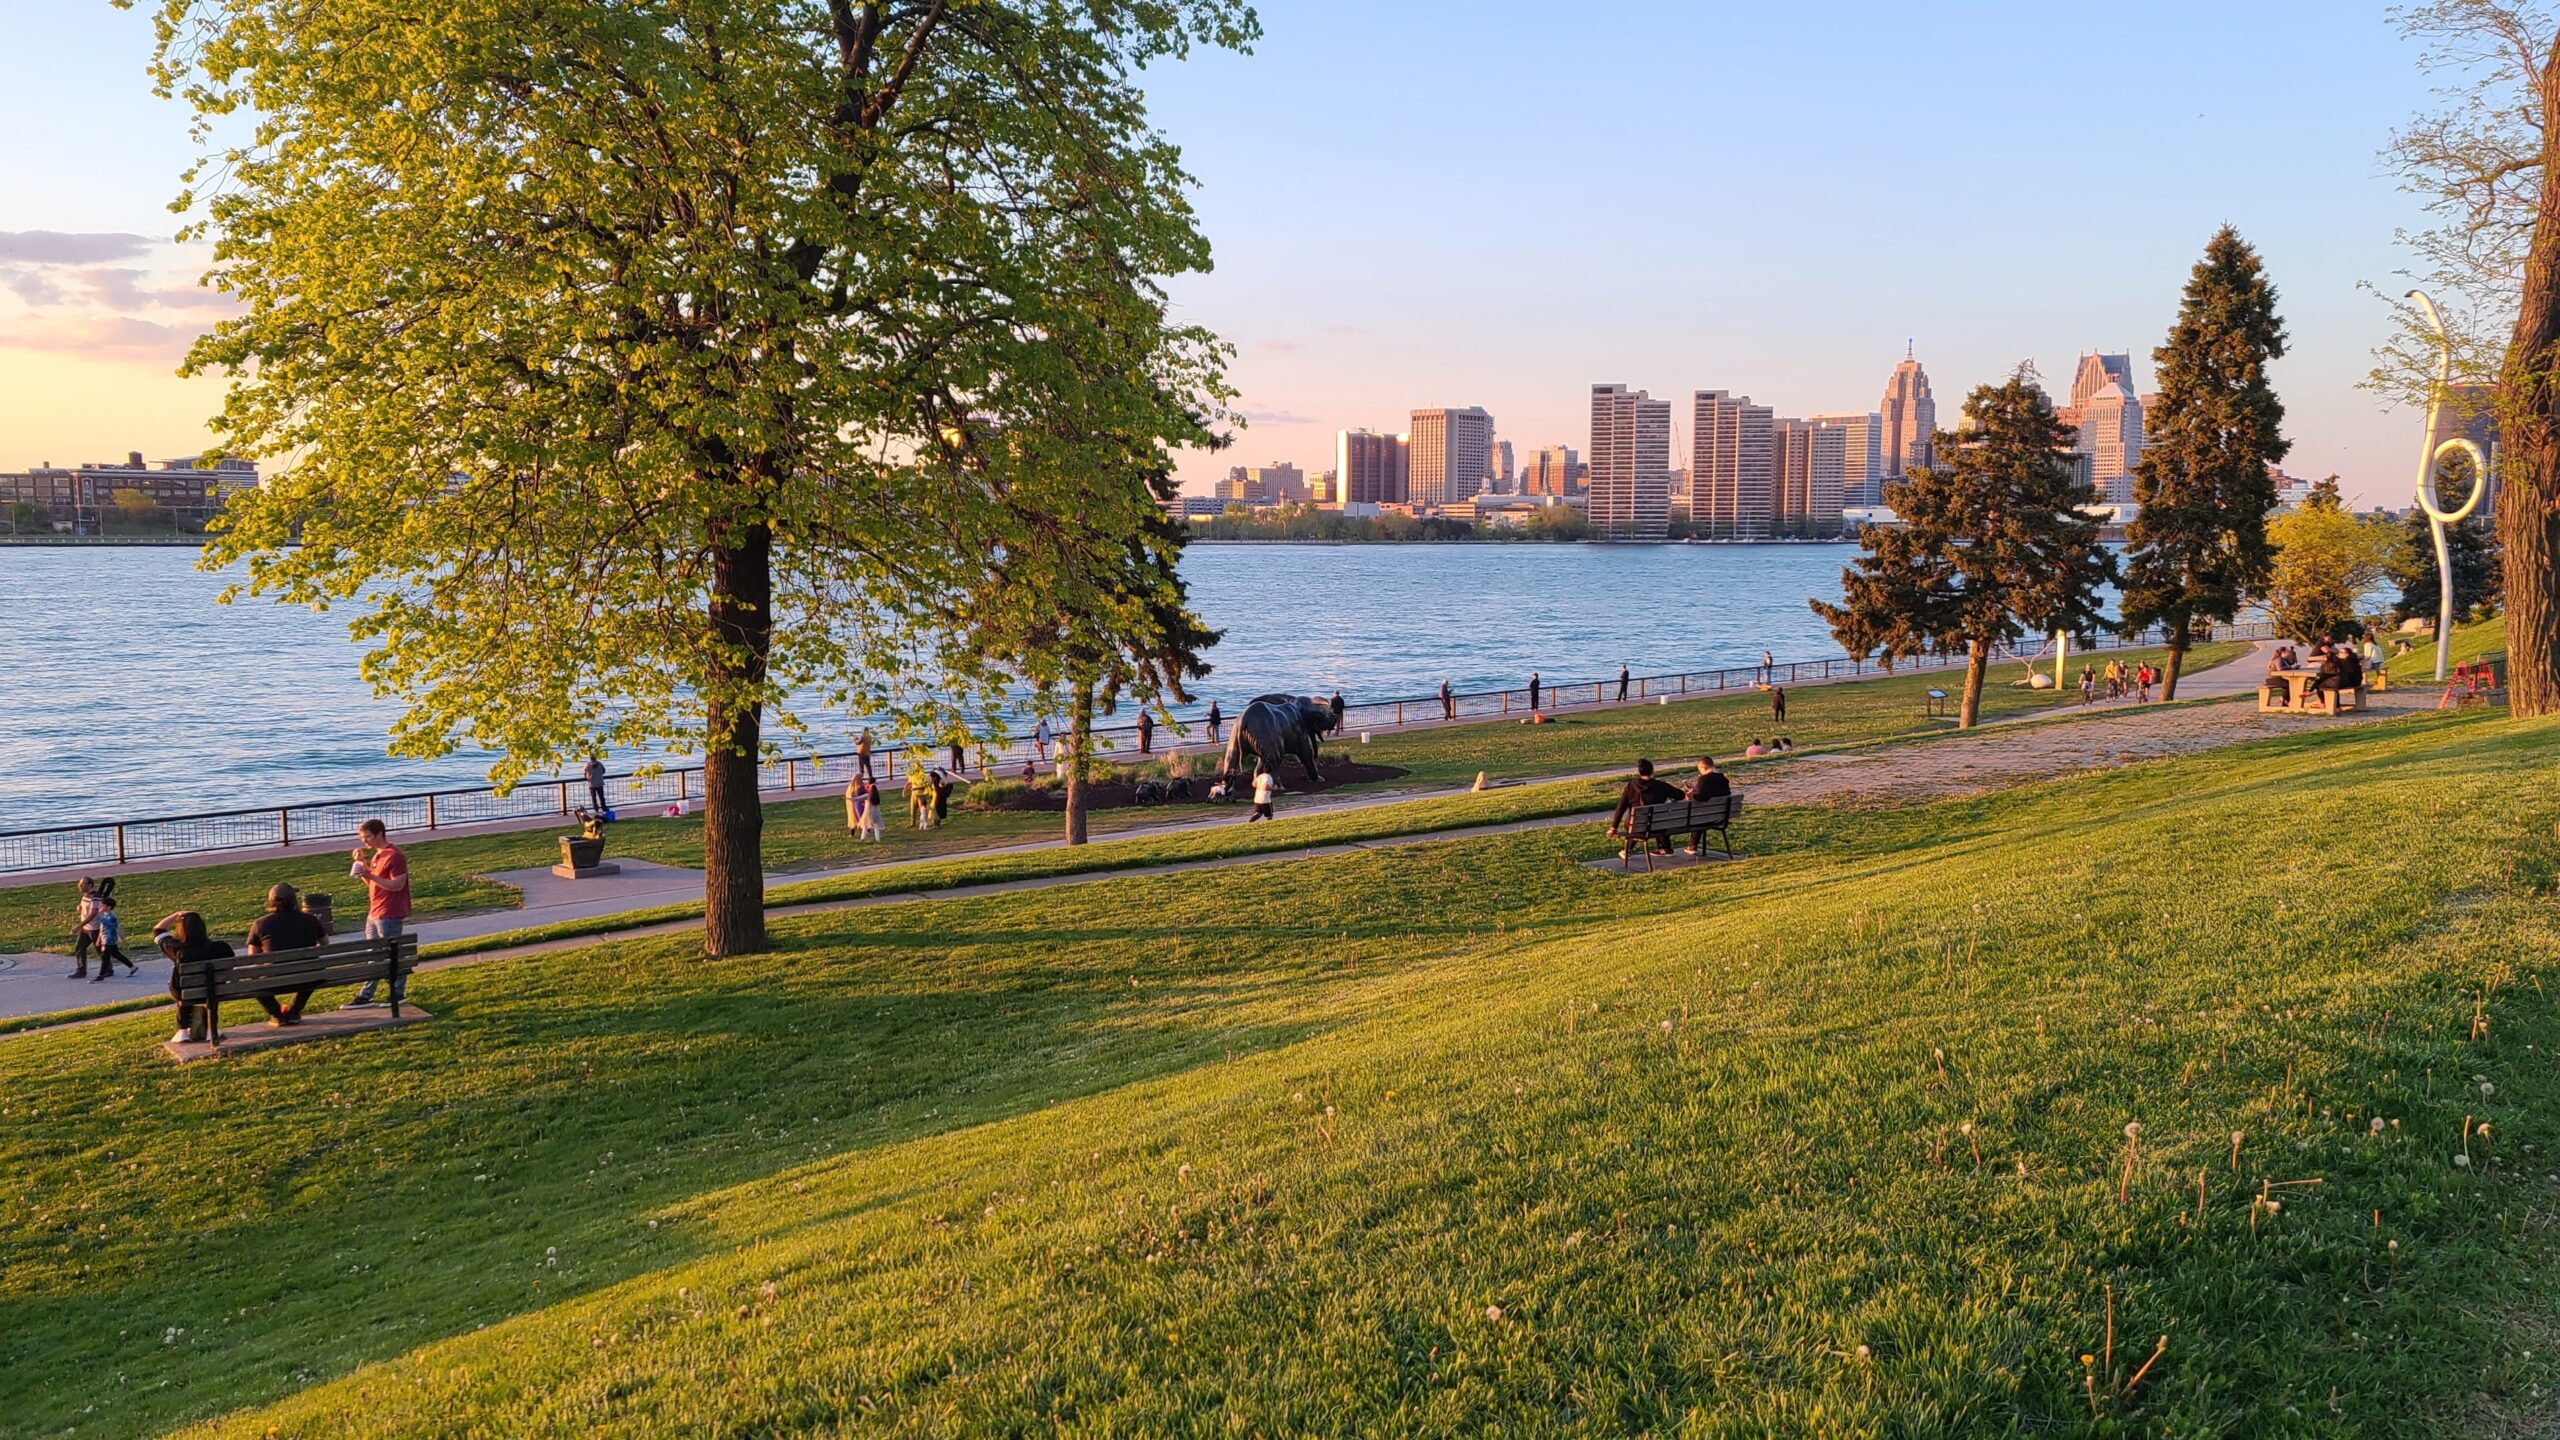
[[2430, 464], [1279, 727]]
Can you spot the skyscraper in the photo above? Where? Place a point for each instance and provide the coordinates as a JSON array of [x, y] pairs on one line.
[[2108, 416], [1908, 420], [1551, 471], [1732, 468], [1807, 459], [1498, 465], [1630, 464], [1278, 483], [1450, 450], [1862, 456], [1370, 468]]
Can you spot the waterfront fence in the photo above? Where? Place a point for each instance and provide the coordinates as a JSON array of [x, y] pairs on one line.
[[104, 846]]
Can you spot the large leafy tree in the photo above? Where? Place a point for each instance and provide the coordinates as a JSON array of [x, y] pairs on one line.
[[2327, 560], [2198, 547], [2487, 163], [1994, 544], [614, 349]]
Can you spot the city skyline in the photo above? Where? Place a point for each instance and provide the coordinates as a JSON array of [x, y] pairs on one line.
[[1344, 318]]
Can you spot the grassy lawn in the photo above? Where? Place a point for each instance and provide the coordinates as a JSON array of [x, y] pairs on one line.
[[809, 834], [1437, 1140]]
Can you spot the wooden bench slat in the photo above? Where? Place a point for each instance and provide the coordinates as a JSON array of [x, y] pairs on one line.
[[245, 977]]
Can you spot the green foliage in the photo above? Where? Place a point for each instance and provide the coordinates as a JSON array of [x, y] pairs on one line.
[[2199, 546], [1398, 1142], [1309, 522], [2473, 545], [1993, 544], [643, 364], [26, 517], [2326, 560]]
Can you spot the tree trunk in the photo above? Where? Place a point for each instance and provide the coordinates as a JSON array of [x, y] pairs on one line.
[[1079, 738], [2529, 492], [2177, 663], [732, 801], [1977, 662]]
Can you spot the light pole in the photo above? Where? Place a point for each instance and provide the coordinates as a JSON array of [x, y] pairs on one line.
[[2429, 464]]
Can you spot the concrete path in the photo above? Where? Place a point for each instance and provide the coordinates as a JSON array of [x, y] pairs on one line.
[[1990, 758]]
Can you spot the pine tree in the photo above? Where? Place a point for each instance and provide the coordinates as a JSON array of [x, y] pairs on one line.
[[2473, 546], [1994, 545], [2199, 549]]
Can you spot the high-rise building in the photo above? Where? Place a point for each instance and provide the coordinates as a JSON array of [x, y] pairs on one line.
[[1807, 459], [1908, 419], [1278, 483], [2108, 417], [1732, 468], [1498, 465], [1862, 456], [1630, 464], [1554, 470], [1372, 469], [1321, 490], [1450, 449]]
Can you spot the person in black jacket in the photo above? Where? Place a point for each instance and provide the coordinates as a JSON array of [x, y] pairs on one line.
[[1641, 789], [1709, 783], [285, 926], [1622, 684], [181, 936]]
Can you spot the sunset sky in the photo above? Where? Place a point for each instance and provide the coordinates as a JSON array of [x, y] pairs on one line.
[[1426, 203]]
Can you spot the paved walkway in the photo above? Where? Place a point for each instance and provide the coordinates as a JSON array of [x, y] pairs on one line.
[[1993, 757]]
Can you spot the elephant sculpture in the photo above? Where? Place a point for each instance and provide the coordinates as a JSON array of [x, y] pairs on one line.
[[1277, 727]]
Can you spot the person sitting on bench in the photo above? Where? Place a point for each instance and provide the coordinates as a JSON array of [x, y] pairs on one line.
[[182, 937], [2329, 675], [2350, 668], [1641, 790], [1709, 783], [286, 926]]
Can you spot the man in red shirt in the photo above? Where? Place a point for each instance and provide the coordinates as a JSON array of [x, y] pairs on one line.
[[385, 873]]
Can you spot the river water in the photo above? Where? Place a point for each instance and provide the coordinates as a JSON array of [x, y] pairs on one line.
[[128, 692]]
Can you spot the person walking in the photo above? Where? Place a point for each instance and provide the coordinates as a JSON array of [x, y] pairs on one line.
[[385, 873], [1040, 738], [595, 786], [84, 928], [862, 754], [871, 808], [1778, 703], [1146, 731], [110, 939], [1214, 717], [855, 805], [1263, 786], [1337, 707], [1622, 682], [1533, 692], [1448, 702]]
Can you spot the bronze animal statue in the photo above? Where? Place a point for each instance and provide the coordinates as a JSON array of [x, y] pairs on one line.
[[1278, 727]]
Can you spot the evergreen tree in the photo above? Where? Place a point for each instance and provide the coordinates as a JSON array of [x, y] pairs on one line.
[[2199, 546], [2473, 546], [1994, 545]]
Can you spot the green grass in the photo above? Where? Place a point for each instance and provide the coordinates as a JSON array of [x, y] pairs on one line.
[[1268, 1154], [809, 834]]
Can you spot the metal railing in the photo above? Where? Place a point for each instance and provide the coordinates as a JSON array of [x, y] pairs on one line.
[[106, 845]]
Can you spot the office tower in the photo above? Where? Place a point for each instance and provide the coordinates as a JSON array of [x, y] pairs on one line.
[[2108, 417], [1321, 491], [1732, 467], [1909, 420], [1552, 471], [1278, 483], [1809, 460], [1449, 451], [1630, 464], [1498, 465], [1862, 456], [1372, 469]]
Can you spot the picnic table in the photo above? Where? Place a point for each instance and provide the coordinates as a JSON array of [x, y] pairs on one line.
[[2301, 695]]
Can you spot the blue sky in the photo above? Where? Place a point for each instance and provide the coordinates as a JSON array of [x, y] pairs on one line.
[[1424, 203]]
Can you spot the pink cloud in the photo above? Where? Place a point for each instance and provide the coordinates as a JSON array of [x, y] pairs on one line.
[[104, 337]]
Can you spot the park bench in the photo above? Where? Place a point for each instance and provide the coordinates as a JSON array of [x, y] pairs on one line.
[[283, 972], [1665, 819]]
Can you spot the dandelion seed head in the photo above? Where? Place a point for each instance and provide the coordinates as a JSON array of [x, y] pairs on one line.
[[2461, 1162]]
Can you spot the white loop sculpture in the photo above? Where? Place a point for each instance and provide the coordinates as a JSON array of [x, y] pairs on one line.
[[2430, 464]]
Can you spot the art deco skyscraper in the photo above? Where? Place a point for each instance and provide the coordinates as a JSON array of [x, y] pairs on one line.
[[1450, 450], [1630, 464], [1908, 420]]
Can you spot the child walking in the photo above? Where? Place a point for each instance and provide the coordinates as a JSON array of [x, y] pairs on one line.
[[110, 940]]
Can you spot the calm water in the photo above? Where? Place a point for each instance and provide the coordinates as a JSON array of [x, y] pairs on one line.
[[128, 692]]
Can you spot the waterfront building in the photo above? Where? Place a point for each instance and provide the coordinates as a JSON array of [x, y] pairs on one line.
[[1278, 483], [1372, 469], [1861, 456], [1321, 491], [1733, 466], [1553, 470], [1449, 449], [1630, 489], [1497, 470], [78, 498], [1808, 461], [1908, 418]]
